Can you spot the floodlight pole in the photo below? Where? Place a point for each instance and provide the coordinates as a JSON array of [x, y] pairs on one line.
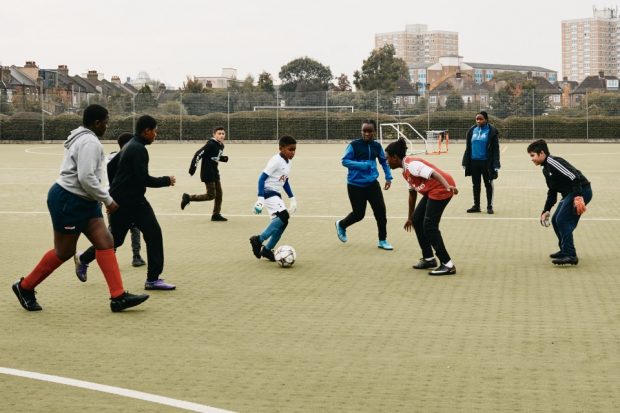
[[587, 117]]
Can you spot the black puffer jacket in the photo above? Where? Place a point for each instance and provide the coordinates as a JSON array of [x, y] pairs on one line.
[[492, 151], [209, 156]]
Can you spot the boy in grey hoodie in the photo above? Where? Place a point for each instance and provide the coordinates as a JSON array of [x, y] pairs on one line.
[[74, 202]]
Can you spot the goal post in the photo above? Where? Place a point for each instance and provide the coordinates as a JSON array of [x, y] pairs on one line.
[[434, 141]]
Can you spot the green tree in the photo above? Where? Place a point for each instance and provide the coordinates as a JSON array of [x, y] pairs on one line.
[[454, 101], [342, 85], [381, 70], [193, 86], [602, 104], [265, 82], [305, 74], [144, 99]]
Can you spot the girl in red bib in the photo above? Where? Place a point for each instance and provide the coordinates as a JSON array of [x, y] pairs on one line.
[[437, 188]]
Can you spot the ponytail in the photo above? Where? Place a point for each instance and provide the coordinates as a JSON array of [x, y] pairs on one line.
[[398, 148]]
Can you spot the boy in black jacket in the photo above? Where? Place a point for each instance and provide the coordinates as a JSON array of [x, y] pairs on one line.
[[209, 156], [576, 192], [129, 186]]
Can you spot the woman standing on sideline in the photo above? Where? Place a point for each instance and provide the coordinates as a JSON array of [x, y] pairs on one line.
[[481, 159], [360, 158]]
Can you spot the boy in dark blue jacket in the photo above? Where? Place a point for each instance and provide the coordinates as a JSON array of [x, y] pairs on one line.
[[360, 158]]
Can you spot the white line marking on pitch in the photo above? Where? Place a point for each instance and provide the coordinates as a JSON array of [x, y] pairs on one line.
[[194, 407], [472, 218]]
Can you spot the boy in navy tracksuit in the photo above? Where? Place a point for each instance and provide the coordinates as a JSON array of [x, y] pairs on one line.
[[576, 192], [360, 158]]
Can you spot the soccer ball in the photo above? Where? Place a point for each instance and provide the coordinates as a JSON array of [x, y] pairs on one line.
[[285, 255]]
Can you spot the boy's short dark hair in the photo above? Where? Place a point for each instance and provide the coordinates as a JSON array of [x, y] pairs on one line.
[[93, 113], [370, 122], [287, 140], [145, 122], [538, 146], [123, 138], [218, 128]]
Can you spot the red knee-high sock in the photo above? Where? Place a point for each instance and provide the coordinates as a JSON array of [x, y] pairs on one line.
[[109, 266], [45, 267]]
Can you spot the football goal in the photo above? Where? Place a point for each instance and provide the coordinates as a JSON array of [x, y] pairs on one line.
[[434, 142]]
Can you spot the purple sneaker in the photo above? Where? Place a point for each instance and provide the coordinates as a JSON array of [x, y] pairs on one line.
[[159, 284], [80, 269]]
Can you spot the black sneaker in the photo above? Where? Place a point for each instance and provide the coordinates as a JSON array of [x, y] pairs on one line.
[[126, 300], [267, 253], [256, 245], [490, 210], [184, 200], [443, 270], [218, 217], [425, 264], [566, 261], [558, 254], [26, 297], [473, 209], [137, 261]]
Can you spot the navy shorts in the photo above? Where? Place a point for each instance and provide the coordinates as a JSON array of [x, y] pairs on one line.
[[70, 213]]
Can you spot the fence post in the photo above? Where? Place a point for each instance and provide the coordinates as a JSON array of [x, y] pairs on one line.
[[587, 117], [533, 114], [326, 115], [133, 112], [228, 116], [181, 116], [377, 106], [42, 113], [277, 113]]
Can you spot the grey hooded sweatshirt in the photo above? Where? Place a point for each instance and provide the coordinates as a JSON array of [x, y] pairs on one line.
[[83, 166]]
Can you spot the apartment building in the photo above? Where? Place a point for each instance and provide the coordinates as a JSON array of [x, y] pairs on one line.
[[417, 45], [591, 45]]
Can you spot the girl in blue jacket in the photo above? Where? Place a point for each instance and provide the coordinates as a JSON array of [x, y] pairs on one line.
[[360, 158]]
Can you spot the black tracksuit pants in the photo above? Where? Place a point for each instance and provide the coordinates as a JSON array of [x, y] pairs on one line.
[[358, 196], [143, 217], [426, 217]]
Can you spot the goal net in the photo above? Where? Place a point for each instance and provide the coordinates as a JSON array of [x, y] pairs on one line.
[[434, 142]]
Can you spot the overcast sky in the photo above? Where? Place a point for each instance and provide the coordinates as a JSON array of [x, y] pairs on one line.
[[174, 39]]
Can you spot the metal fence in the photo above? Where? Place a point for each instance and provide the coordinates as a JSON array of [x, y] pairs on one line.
[[316, 115]]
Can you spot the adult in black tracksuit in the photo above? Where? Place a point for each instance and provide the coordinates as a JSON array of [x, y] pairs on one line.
[[481, 159], [561, 177], [209, 157], [129, 186]]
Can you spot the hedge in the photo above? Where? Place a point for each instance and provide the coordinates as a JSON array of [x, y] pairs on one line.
[[261, 125]]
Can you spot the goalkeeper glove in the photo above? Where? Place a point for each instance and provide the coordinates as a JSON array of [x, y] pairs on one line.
[[580, 205], [258, 206], [292, 205]]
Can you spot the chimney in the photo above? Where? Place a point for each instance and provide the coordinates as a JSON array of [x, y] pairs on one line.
[[162, 87], [458, 75], [92, 75], [565, 79], [63, 70], [31, 70], [529, 75], [5, 75], [601, 74], [116, 79]]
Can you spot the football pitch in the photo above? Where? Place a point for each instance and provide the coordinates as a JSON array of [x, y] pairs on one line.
[[349, 327]]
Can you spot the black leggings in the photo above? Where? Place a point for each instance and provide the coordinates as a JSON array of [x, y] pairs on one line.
[[480, 170], [426, 217], [359, 195]]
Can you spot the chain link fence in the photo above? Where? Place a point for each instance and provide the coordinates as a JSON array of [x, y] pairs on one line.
[[316, 115]]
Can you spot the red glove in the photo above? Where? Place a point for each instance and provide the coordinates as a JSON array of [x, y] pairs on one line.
[[580, 205]]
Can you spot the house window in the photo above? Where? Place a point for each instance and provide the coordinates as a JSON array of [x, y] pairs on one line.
[[612, 83], [433, 99], [556, 98]]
